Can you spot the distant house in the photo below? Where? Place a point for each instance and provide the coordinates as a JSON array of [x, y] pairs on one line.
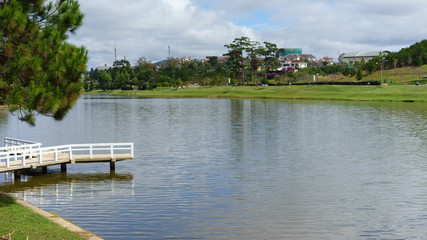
[[185, 59], [212, 60], [327, 59], [292, 57], [308, 57], [296, 64], [354, 57], [103, 67]]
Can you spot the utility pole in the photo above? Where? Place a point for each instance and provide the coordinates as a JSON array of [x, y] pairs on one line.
[[169, 50], [381, 72], [115, 53]]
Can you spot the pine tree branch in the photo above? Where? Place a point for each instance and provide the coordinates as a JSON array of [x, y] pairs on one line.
[[51, 14]]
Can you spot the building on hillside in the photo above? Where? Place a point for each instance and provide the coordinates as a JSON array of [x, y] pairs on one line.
[[292, 57], [327, 59], [308, 57], [212, 59], [283, 52], [215, 59], [105, 67], [185, 59], [296, 64], [354, 57]]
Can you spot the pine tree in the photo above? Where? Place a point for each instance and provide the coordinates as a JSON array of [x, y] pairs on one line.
[[359, 74], [40, 72], [236, 56]]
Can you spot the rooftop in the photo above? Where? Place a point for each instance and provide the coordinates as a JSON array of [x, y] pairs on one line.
[[363, 54]]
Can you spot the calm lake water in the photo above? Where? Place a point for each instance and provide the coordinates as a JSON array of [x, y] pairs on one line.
[[237, 169]]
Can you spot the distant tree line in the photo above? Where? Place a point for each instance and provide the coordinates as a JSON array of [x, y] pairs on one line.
[[415, 55], [248, 63], [245, 57], [145, 75]]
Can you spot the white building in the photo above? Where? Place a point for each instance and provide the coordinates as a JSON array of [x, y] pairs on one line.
[[103, 67], [296, 64], [354, 57]]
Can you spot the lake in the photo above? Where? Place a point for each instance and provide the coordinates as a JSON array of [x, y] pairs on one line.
[[237, 169]]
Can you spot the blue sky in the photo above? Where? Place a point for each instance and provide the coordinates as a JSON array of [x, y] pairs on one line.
[[258, 20], [145, 28]]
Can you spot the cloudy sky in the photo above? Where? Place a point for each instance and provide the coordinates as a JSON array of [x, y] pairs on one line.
[[199, 28]]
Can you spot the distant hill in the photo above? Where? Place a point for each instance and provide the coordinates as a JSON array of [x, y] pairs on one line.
[[414, 55], [160, 63]]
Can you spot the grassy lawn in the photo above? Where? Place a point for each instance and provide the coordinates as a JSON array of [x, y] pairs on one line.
[[397, 76], [324, 92], [23, 223]]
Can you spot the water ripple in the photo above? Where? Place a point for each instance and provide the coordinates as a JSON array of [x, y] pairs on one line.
[[239, 169]]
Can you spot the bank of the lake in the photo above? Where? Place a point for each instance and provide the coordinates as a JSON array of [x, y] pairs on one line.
[[334, 92], [21, 220]]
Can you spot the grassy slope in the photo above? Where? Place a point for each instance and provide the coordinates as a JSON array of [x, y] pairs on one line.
[[14, 217], [356, 93], [399, 76], [403, 75]]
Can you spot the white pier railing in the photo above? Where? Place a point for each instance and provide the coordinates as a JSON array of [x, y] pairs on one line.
[[100, 148], [12, 144], [20, 153]]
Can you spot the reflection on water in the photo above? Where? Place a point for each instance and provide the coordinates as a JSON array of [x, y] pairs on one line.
[[4, 114], [238, 169], [54, 188]]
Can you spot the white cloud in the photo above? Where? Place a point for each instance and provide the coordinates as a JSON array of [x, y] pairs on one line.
[[146, 28], [326, 27], [200, 28]]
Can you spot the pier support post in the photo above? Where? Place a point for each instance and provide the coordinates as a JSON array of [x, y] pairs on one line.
[[44, 170], [63, 167], [17, 174], [113, 164]]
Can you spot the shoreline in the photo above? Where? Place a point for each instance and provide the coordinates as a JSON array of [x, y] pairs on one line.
[[52, 217], [311, 92], [59, 220]]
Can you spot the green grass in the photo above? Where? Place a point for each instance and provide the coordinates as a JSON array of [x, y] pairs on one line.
[[23, 223], [399, 76], [323, 92], [402, 76]]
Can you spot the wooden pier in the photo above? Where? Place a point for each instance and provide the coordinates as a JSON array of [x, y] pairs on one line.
[[19, 155]]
